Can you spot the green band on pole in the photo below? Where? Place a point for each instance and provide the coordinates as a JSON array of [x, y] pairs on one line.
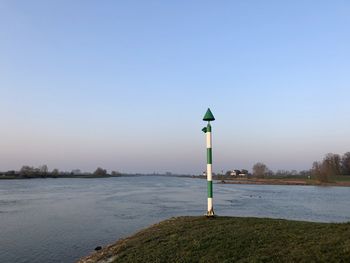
[[209, 156], [210, 189], [208, 127]]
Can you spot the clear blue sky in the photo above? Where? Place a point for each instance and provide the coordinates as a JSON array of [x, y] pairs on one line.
[[125, 84]]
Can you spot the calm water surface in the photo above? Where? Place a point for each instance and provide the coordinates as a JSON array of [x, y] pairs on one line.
[[61, 220]]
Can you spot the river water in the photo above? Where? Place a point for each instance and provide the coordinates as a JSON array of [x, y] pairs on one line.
[[61, 220]]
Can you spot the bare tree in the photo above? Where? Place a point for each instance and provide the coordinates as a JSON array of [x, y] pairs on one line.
[[345, 163], [331, 164], [115, 173], [260, 170], [27, 171], [43, 169], [55, 172], [100, 172], [323, 170], [318, 171]]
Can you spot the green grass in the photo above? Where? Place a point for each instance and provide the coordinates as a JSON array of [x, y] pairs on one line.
[[8, 177], [287, 177], [230, 239], [340, 178]]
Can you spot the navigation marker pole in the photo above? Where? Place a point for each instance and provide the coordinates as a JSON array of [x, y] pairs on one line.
[[209, 117]]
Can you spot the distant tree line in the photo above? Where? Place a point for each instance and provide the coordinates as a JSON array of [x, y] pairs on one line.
[[43, 172], [331, 165]]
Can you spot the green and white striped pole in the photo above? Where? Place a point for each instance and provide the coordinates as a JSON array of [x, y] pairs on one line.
[[209, 117]]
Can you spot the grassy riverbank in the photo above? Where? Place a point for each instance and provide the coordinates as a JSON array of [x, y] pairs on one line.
[[231, 239], [335, 181]]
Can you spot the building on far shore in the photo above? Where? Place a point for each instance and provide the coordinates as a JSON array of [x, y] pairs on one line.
[[231, 173], [238, 173]]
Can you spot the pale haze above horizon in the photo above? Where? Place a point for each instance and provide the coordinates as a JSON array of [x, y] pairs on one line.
[[124, 85]]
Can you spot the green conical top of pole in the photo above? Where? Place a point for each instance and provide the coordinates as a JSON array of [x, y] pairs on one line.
[[208, 116]]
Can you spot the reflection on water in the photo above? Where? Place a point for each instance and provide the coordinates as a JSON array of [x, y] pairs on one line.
[[60, 220]]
